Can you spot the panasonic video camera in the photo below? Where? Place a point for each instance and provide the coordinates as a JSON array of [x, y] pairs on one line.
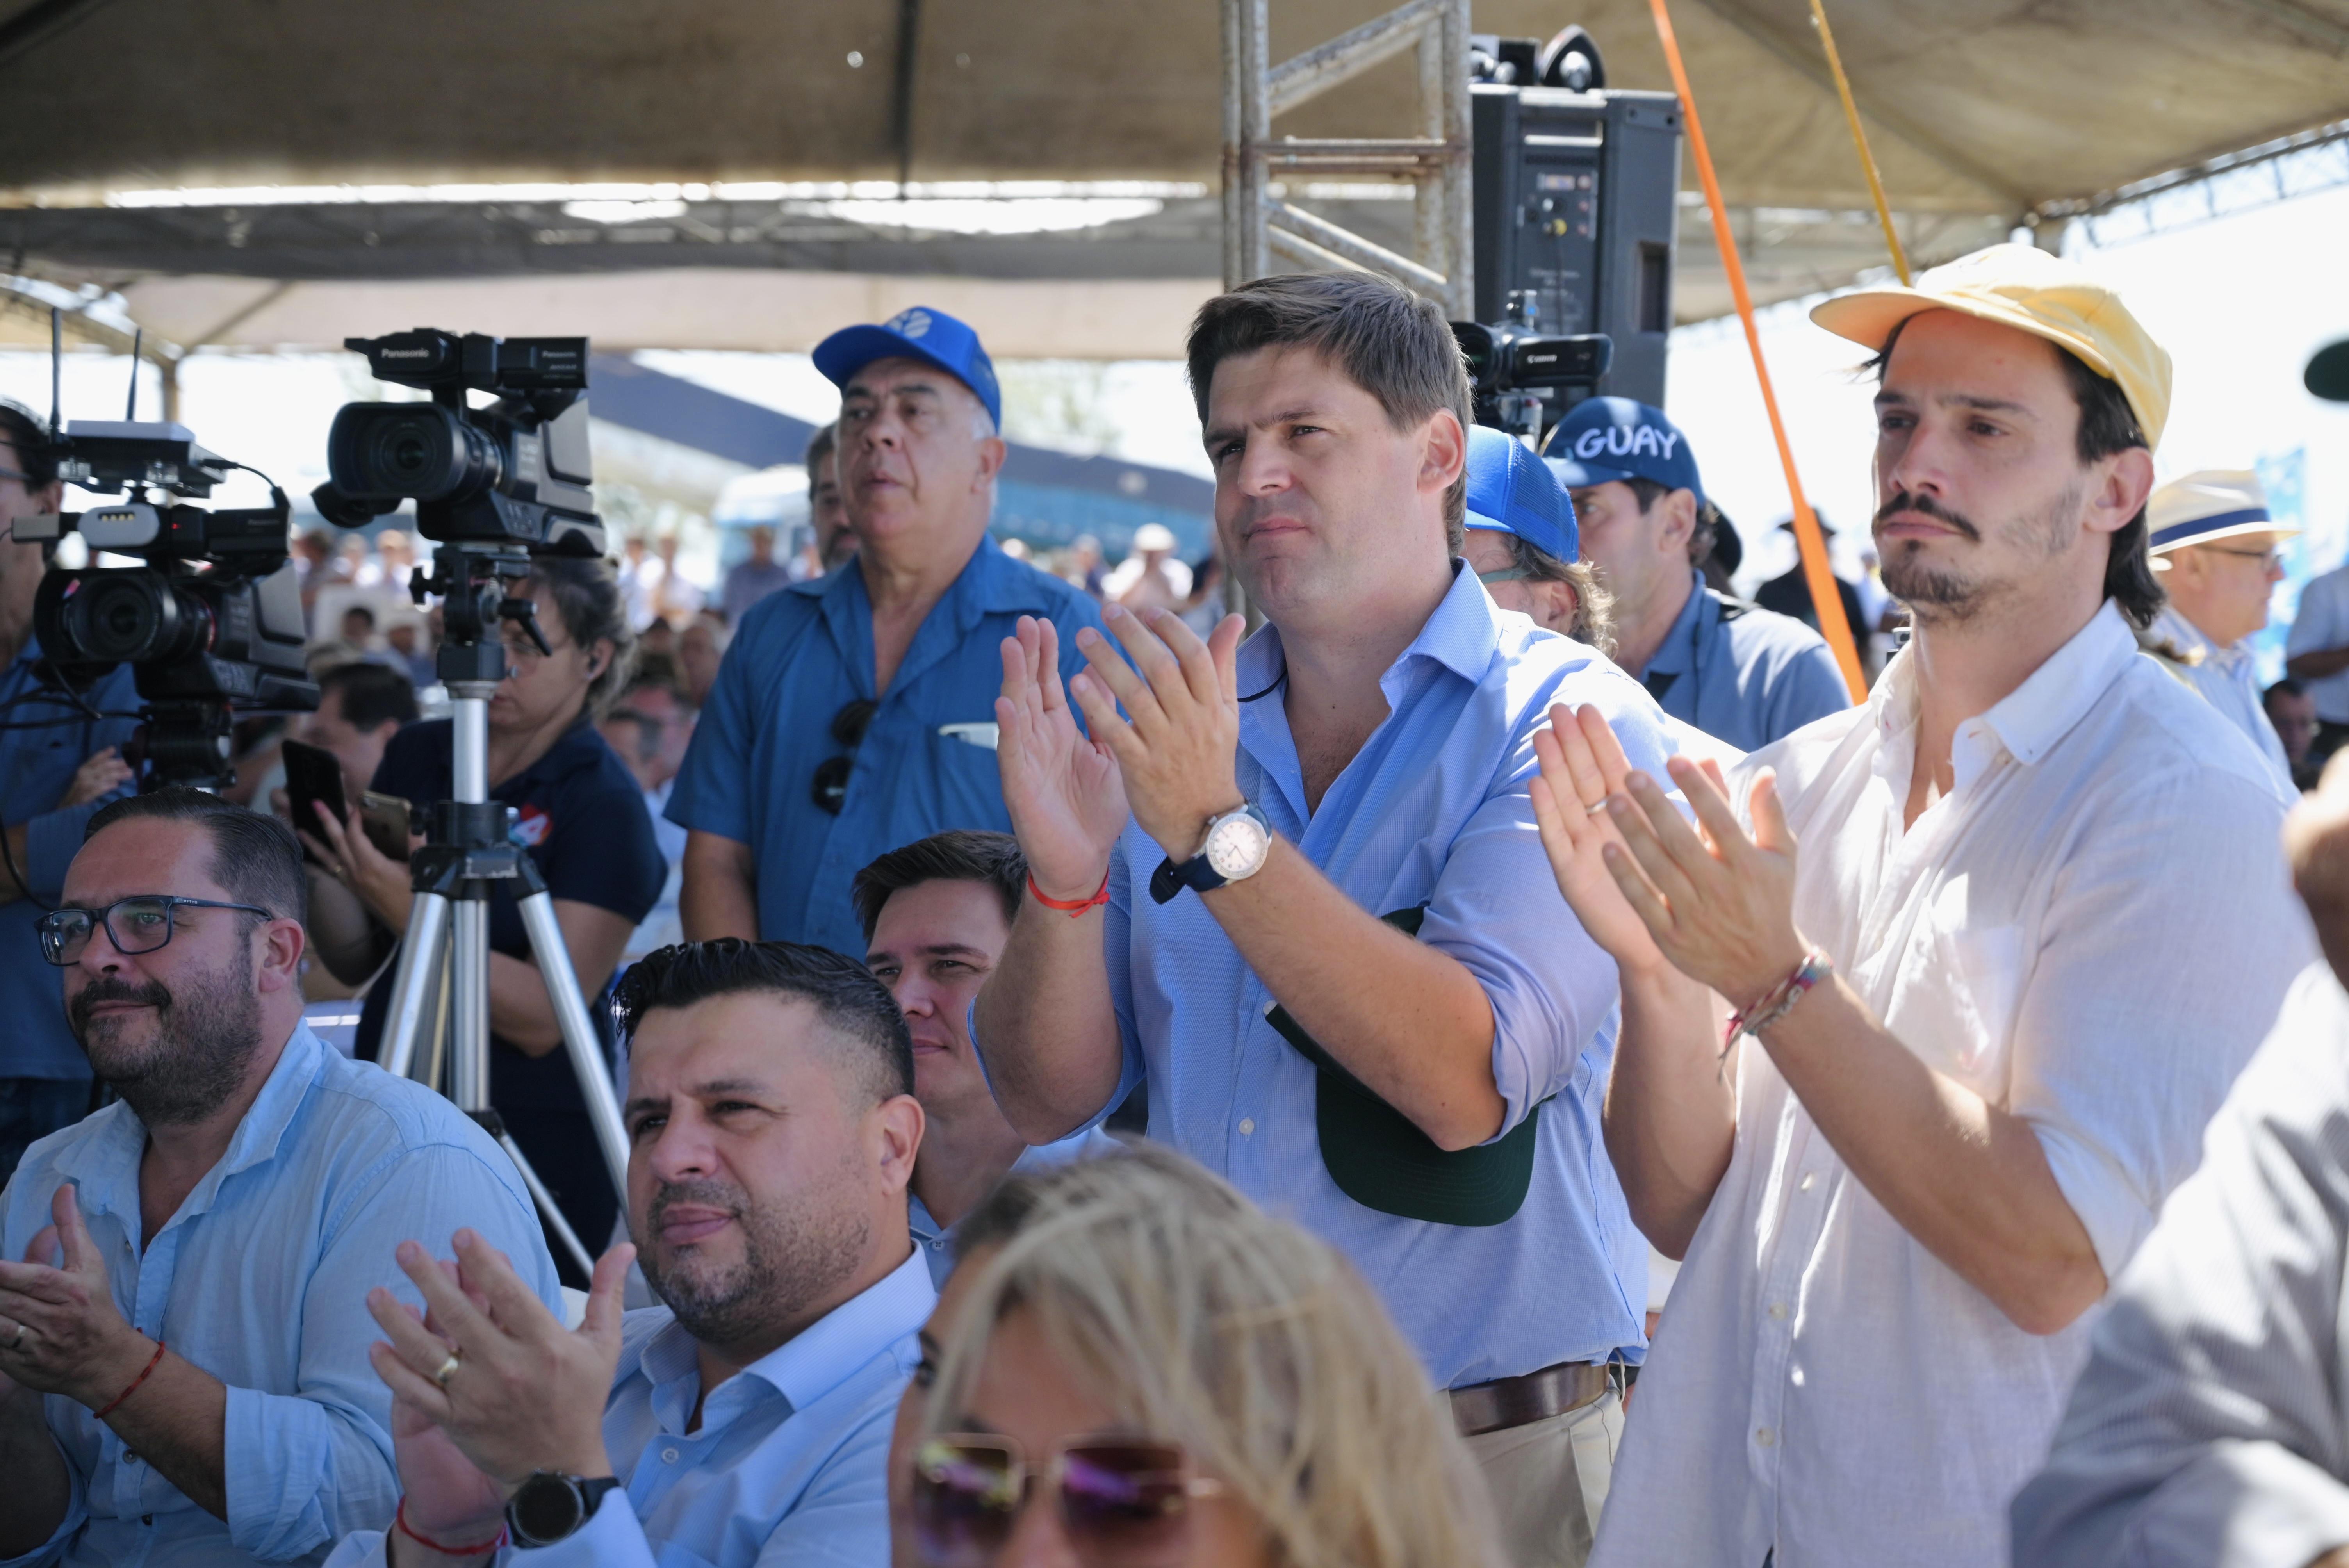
[[514, 473]]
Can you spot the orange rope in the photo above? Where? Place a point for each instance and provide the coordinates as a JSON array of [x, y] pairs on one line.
[[1817, 573], [1859, 140]]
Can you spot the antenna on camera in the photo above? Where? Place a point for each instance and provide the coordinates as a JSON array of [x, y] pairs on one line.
[[56, 381], [131, 408]]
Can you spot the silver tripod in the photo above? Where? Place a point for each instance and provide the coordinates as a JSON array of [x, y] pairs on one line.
[[438, 1028]]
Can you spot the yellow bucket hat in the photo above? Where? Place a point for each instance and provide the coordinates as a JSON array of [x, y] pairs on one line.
[[2025, 288]]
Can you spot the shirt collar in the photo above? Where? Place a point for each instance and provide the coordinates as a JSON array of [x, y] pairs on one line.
[[803, 1368], [106, 1168], [1461, 635], [2030, 719], [1676, 655]]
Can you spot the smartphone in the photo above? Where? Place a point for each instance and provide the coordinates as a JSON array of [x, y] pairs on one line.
[[385, 818], [313, 775]]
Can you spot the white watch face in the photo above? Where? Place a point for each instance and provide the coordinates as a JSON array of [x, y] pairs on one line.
[[1237, 846]]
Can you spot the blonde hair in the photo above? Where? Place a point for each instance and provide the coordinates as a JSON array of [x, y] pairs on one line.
[[1197, 1317]]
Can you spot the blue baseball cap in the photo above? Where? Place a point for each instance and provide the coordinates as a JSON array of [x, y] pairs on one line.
[[1510, 491], [1605, 439], [920, 333]]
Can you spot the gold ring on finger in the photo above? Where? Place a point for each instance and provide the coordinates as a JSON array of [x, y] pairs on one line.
[[448, 1369]]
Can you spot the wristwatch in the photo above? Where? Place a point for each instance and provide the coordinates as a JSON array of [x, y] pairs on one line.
[[551, 1506], [1233, 849]]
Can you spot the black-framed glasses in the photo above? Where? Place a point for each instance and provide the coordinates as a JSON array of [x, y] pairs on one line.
[[138, 924], [830, 786], [1124, 1502]]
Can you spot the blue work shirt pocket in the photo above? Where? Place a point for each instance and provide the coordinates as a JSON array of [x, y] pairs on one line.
[[961, 778]]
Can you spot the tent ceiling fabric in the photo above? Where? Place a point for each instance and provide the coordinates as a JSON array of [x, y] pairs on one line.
[[1981, 112]]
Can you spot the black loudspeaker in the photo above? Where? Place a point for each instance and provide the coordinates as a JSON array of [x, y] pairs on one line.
[[1577, 200]]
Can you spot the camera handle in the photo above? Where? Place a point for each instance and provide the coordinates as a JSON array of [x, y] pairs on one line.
[[441, 987]]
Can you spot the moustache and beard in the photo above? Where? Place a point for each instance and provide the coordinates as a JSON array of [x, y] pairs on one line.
[[1936, 592], [795, 1256], [202, 1042]]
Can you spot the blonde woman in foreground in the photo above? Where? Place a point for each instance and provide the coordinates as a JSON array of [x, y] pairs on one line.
[[1134, 1367]]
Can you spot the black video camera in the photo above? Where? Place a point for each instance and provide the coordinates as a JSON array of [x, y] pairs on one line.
[[514, 473], [215, 614], [1522, 380]]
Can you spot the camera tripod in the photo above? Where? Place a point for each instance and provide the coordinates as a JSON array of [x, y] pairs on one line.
[[437, 1026]]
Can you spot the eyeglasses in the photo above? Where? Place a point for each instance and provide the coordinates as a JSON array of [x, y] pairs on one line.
[[1506, 574], [2266, 558], [135, 925], [522, 654], [848, 726], [1124, 1502]]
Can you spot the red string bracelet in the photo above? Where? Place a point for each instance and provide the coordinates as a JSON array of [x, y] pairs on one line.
[[152, 1363], [1072, 908], [399, 1521]]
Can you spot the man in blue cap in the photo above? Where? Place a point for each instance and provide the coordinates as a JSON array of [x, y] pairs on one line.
[[856, 712], [1742, 674]]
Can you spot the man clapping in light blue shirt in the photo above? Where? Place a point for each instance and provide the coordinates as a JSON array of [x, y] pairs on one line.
[[183, 1371], [773, 1129], [1318, 932]]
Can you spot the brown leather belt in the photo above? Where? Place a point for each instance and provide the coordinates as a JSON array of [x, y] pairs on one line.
[[1520, 1402]]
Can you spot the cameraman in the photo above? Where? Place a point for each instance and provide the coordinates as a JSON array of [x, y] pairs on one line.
[[58, 765], [584, 821]]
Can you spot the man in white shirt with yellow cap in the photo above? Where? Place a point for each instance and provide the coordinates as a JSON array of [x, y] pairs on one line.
[[2214, 545], [1973, 1046]]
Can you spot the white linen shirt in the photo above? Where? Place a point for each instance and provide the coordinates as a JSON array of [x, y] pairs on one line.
[[2093, 930]]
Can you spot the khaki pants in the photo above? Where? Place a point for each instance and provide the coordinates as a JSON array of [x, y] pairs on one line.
[[1548, 1481]]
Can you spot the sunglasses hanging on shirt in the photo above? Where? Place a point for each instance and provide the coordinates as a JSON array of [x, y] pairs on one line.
[[830, 786]]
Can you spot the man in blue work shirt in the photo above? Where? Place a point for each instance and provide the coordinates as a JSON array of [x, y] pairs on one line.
[[1348, 991], [59, 763], [1742, 674], [855, 713]]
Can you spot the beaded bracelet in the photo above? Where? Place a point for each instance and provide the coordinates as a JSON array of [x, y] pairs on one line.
[[152, 1362], [1780, 1000]]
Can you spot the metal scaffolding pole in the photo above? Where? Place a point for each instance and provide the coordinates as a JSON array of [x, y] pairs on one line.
[[1258, 223]]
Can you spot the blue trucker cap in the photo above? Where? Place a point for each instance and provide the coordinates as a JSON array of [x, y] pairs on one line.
[[919, 333], [1605, 439], [1510, 491]]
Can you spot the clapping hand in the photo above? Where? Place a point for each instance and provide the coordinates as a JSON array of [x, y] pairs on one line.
[[59, 1330], [99, 777], [1178, 747], [1066, 799], [512, 1388]]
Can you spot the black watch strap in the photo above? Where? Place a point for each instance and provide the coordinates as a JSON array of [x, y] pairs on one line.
[[1195, 874], [551, 1506]]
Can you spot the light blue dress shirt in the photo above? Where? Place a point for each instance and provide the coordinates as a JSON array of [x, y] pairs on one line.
[[936, 1242], [790, 1466], [35, 766], [261, 1279], [805, 653], [1433, 810], [1747, 679]]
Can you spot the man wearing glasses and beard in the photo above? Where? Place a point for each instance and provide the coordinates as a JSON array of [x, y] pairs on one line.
[[855, 712], [183, 1270]]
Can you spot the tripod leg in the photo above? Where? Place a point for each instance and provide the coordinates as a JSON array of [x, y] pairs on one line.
[[468, 1004], [547, 1206], [419, 958], [579, 1041]]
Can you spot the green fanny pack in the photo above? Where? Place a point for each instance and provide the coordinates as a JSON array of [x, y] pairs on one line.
[[1380, 1158]]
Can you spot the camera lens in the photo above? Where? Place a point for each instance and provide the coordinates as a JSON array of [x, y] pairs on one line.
[[401, 450], [132, 616]]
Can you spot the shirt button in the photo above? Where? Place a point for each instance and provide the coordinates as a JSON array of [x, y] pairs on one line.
[[1248, 1126], [129, 1456], [1778, 1311], [148, 1520], [1766, 1436], [669, 1456]]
